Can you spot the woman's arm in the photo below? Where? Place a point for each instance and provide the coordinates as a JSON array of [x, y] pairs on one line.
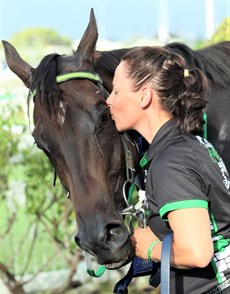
[[192, 242]]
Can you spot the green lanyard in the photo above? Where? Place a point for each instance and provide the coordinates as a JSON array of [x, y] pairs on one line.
[[205, 133], [144, 160]]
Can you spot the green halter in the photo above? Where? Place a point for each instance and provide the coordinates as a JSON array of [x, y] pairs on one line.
[[78, 75]]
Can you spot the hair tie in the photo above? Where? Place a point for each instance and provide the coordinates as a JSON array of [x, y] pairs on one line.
[[186, 73]]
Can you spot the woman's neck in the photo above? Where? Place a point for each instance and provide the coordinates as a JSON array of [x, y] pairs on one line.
[[151, 123]]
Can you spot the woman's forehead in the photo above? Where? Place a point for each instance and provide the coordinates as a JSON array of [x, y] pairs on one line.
[[120, 73]]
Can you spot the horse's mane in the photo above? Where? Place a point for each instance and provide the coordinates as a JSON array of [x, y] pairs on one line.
[[45, 88], [109, 60], [212, 60]]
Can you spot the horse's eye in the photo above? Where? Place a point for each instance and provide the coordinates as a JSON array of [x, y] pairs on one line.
[[68, 195], [38, 145], [43, 147]]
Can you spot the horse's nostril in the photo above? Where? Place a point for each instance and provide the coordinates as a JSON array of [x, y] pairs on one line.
[[114, 232]]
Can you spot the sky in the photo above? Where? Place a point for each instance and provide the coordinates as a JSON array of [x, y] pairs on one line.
[[117, 20]]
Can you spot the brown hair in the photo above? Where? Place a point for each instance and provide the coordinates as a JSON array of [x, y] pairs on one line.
[[182, 92]]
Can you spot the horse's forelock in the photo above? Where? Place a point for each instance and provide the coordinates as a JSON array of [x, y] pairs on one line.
[[45, 86]]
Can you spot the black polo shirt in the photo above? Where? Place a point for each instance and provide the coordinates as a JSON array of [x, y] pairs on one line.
[[186, 172]]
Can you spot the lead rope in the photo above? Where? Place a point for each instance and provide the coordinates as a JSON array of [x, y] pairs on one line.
[[96, 274]]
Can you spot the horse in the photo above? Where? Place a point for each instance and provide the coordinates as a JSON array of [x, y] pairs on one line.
[[73, 127]]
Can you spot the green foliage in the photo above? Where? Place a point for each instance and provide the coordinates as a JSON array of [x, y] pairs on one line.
[[34, 43], [10, 138], [37, 219], [23, 161], [39, 37], [222, 33], [199, 44], [38, 178]]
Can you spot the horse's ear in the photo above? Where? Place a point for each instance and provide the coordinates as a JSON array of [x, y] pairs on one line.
[[88, 41], [22, 69]]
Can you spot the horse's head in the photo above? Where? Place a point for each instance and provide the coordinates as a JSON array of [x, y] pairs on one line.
[[74, 129]]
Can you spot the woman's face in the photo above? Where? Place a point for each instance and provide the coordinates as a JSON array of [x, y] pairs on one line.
[[123, 101]]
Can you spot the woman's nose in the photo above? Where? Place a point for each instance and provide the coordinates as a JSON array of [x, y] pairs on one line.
[[109, 100]]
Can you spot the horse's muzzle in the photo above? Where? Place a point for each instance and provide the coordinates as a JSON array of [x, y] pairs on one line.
[[110, 245]]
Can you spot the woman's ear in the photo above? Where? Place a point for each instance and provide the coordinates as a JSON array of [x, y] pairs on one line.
[[146, 97]]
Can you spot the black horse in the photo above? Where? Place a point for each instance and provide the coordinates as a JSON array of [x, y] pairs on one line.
[[74, 129]]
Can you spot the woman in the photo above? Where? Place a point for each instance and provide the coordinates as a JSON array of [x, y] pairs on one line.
[[187, 184]]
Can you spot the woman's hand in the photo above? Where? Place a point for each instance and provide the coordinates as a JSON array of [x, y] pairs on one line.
[[141, 239], [192, 245]]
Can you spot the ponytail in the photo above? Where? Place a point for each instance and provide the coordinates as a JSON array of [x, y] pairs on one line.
[[191, 102], [182, 91]]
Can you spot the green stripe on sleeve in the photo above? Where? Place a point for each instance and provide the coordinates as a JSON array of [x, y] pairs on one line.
[[218, 277], [182, 204]]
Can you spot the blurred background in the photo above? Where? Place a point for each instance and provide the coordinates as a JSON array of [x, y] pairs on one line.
[[37, 253]]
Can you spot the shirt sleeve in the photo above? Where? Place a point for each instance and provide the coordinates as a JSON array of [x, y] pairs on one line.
[[177, 183]]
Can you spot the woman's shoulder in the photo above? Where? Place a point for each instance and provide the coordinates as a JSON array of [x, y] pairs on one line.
[[179, 151]]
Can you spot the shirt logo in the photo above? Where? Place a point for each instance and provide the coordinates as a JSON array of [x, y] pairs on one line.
[[217, 159]]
